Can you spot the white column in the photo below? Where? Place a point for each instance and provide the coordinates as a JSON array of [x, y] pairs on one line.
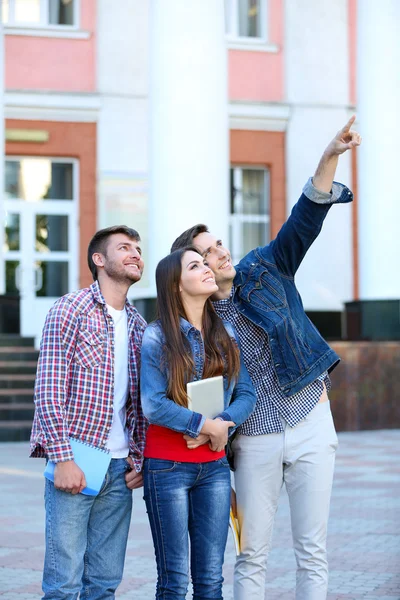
[[378, 99], [189, 156], [122, 140], [2, 144]]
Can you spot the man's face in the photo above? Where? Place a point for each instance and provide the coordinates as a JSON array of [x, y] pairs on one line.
[[217, 256], [122, 261]]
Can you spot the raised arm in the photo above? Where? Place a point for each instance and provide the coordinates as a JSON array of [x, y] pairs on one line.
[[307, 216], [345, 139]]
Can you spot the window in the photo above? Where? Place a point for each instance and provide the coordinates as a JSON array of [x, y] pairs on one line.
[[245, 19], [40, 13], [249, 219], [37, 179]]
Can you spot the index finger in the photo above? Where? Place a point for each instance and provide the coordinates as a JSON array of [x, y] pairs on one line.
[[83, 483], [349, 123]]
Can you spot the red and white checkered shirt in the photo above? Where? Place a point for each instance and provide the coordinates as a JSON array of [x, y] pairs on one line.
[[74, 386]]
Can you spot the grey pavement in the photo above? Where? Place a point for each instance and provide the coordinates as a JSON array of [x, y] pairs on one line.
[[363, 543]]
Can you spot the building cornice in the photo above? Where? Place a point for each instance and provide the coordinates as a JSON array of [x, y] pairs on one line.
[[259, 116], [52, 106]]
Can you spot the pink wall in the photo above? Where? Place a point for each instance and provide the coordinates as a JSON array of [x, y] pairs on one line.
[[352, 25], [59, 64], [258, 76]]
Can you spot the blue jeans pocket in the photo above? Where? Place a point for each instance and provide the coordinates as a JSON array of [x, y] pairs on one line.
[[158, 465]]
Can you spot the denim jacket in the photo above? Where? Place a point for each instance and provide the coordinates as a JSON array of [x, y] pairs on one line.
[[265, 292], [239, 397]]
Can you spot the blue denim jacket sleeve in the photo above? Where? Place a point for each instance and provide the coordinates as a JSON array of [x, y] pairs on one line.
[[156, 406], [243, 399], [303, 226]]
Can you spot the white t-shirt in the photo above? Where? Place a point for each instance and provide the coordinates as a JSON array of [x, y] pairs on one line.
[[118, 439]]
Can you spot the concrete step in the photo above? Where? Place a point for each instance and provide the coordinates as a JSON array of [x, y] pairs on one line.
[[15, 340], [12, 381], [15, 431], [18, 367], [15, 353], [22, 397], [17, 412], [16, 395], [18, 362]]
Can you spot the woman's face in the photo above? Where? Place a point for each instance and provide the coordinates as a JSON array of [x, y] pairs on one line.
[[197, 279]]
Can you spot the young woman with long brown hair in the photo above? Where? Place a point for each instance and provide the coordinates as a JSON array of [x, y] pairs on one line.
[[186, 473]]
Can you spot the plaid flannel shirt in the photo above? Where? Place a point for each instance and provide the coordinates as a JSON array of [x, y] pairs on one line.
[[74, 387]]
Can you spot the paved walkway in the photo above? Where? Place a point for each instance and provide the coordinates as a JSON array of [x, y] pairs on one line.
[[364, 533]]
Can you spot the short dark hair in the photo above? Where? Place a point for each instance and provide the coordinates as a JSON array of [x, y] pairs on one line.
[[99, 242], [186, 238]]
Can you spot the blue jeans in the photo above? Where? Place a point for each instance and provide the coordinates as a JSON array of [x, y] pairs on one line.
[[188, 500], [86, 538]]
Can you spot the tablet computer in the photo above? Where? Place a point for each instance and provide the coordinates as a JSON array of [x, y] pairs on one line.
[[206, 396]]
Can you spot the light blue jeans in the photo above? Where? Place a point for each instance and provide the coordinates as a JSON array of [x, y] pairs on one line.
[[188, 500], [86, 538]]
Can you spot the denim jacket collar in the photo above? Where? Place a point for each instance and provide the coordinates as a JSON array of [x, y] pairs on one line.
[[186, 326], [240, 278]]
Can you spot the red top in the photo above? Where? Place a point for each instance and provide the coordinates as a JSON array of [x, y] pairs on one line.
[[168, 444]]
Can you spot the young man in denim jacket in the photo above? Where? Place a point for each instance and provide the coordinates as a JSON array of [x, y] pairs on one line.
[[290, 437], [87, 388]]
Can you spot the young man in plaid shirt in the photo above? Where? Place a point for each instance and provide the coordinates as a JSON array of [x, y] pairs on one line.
[[290, 437], [87, 388]]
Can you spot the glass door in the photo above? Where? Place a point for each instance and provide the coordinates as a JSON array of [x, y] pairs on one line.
[[41, 236]]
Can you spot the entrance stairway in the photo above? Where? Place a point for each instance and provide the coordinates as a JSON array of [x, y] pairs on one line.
[[18, 359]]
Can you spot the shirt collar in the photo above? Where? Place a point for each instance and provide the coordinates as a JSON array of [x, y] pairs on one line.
[[224, 302], [98, 296]]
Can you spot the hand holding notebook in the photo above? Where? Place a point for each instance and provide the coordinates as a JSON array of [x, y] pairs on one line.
[[68, 477], [93, 461]]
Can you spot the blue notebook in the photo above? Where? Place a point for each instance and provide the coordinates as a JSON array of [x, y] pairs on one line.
[[93, 461]]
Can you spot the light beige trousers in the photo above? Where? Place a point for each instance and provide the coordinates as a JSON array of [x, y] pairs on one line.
[[303, 458]]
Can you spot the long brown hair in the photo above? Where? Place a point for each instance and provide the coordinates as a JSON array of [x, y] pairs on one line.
[[221, 352]]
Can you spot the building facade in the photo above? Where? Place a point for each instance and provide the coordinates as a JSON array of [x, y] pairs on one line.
[[160, 115]]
